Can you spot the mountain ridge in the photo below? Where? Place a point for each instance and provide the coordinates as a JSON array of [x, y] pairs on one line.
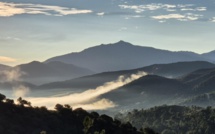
[[123, 56]]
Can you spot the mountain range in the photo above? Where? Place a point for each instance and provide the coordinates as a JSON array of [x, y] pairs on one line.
[[173, 77], [172, 70], [108, 58], [123, 55]]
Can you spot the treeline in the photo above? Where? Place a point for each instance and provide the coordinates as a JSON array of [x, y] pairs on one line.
[[22, 118], [173, 119]]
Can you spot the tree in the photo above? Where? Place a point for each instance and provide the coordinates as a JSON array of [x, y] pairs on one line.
[[23, 102], [9, 101], [67, 106], [88, 123], [2, 97], [58, 107]]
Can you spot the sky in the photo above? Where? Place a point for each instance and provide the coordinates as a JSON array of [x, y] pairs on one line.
[[40, 29]]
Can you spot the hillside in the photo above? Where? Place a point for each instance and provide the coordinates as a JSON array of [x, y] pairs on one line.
[[4, 67], [39, 73], [148, 91], [15, 84], [24, 119], [210, 55], [173, 119], [203, 100], [123, 56], [202, 81]]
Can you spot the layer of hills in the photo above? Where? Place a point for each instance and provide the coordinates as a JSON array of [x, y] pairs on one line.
[[156, 88], [167, 83], [111, 57], [171, 70], [123, 55], [151, 90], [39, 73]]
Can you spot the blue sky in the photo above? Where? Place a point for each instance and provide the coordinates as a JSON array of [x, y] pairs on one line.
[[38, 29]]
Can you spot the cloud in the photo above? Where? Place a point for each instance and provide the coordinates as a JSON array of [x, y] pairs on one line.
[[87, 99], [151, 7], [185, 17], [9, 38], [194, 9], [7, 59], [98, 105], [123, 28], [169, 16], [11, 9], [160, 6], [101, 14], [180, 11], [20, 91], [212, 19], [12, 75]]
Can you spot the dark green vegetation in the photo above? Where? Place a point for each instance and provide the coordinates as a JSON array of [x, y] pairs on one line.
[[173, 119], [24, 119], [203, 100]]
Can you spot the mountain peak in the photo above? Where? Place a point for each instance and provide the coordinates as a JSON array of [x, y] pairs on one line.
[[35, 62], [121, 42]]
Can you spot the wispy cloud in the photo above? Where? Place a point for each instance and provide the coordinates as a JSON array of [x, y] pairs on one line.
[[123, 29], [101, 14], [179, 12], [151, 7], [7, 59], [180, 17], [212, 19], [169, 16], [13, 76], [160, 6], [194, 9], [9, 38], [11, 9]]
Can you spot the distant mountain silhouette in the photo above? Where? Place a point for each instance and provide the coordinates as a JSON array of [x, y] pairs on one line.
[[38, 73], [4, 67], [210, 55], [123, 56], [15, 84], [166, 70], [174, 70]]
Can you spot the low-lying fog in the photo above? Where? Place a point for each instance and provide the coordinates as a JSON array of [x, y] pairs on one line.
[[49, 98]]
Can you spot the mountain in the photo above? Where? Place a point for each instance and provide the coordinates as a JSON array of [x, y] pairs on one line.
[[148, 91], [15, 84], [166, 70], [4, 67], [201, 81], [123, 56], [210, 55], [38, 73], [174, 70]]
